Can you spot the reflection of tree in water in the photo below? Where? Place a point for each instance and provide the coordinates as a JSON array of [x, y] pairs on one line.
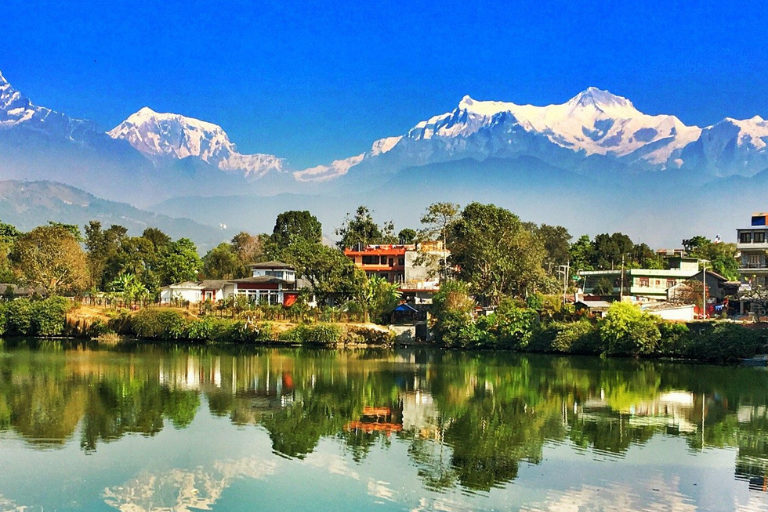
[[468, 419]]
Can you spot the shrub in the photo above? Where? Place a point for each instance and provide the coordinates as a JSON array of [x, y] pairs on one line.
[[327, 334], [452, 310], [626, 330], [580, 337], [675, 339], [292, 335], [265, 331], [726, 342], [49, 316], [159, 324], [19, 317]]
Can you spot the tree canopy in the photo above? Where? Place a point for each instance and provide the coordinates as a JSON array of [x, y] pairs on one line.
[[495, 254]]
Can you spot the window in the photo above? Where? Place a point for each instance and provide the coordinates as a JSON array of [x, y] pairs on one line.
[[383, 260], [370, 260], [671, 283], [643, 281], [759, 237], [401, 261], [745, 237]]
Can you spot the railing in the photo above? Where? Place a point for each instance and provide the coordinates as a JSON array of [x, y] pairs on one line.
[[753, 265]]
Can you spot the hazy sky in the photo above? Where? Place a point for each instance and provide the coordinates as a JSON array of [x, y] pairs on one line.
[[315, 81]]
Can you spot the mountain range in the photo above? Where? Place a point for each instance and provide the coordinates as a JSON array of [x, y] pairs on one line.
[[597, 146]]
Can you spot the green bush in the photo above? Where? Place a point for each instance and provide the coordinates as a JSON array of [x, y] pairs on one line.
[[326, 334], [580, 337], [727, 342], [627, 330], [159, 324], [292, 335], [19, 317], [49, 316], [265, 331], [675, 339]]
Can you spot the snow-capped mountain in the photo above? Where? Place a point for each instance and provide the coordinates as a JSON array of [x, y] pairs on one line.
[[162, 136], [16, 110], [730, 147], [594, 122]]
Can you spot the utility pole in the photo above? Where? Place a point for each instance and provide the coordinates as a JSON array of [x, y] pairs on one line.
[[565, 270], [621, 282]]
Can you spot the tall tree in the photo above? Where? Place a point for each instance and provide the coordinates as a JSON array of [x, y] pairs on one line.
[[293, 226], [51, 257], [331, 274], [494, 252], [222, 262], [249, 248], [102, 245], [361, 229], [179, 262]]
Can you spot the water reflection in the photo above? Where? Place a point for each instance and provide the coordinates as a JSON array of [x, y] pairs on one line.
[[469, 421]]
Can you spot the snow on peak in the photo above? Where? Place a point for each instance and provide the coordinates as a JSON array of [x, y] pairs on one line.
[[594, 121], [17, 110], [166, 135]]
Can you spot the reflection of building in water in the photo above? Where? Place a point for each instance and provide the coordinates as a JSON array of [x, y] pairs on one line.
[[378, 419], [420, 413], [672, 409], [752, 459]]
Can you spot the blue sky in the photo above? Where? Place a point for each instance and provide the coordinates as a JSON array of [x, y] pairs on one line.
[[314, 81]]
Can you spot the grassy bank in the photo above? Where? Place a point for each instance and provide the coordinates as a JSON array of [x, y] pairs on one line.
[[624, 331]]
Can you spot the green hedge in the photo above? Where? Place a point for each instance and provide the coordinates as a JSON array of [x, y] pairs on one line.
[[25, 317]]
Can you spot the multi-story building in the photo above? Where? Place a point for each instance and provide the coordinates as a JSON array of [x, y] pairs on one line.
[[752, 243], [416, 268], [640, 282]]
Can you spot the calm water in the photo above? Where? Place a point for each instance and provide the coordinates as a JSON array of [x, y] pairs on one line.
[[207, 429]]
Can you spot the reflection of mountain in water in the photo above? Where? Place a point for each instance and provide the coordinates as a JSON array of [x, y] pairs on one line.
[[469, 421], [181, 490]]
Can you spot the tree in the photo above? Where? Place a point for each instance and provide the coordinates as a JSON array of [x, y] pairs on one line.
[[610, 250], [721, 256], [452, 309], [496, 255], [102, 245], [556, 242], [51, 257], [222, 262], [293, 226], [581, 254], [379, 297], [72, 228], [249, 248], [156, 237], [329, 272], [361, 229], [179, 262], [627, 330], [407, 236]]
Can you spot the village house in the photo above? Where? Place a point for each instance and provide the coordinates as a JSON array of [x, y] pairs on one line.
[[271, 282], [414, 267], [640, 283]]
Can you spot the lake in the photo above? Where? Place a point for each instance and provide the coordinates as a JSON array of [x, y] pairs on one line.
[[183, 429]]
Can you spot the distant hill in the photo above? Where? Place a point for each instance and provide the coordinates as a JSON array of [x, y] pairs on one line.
[[27, 204]]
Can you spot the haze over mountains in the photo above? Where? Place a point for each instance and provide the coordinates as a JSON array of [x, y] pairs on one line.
[[594, 163]]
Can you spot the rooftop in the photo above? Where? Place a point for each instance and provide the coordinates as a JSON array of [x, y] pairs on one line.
[[270, 265]]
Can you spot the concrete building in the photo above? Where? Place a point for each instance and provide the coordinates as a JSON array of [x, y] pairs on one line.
[[752, 244], [415, 267], [271, 282], [641, 282]]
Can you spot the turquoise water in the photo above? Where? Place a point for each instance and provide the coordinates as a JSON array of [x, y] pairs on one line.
[[159, 428]]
